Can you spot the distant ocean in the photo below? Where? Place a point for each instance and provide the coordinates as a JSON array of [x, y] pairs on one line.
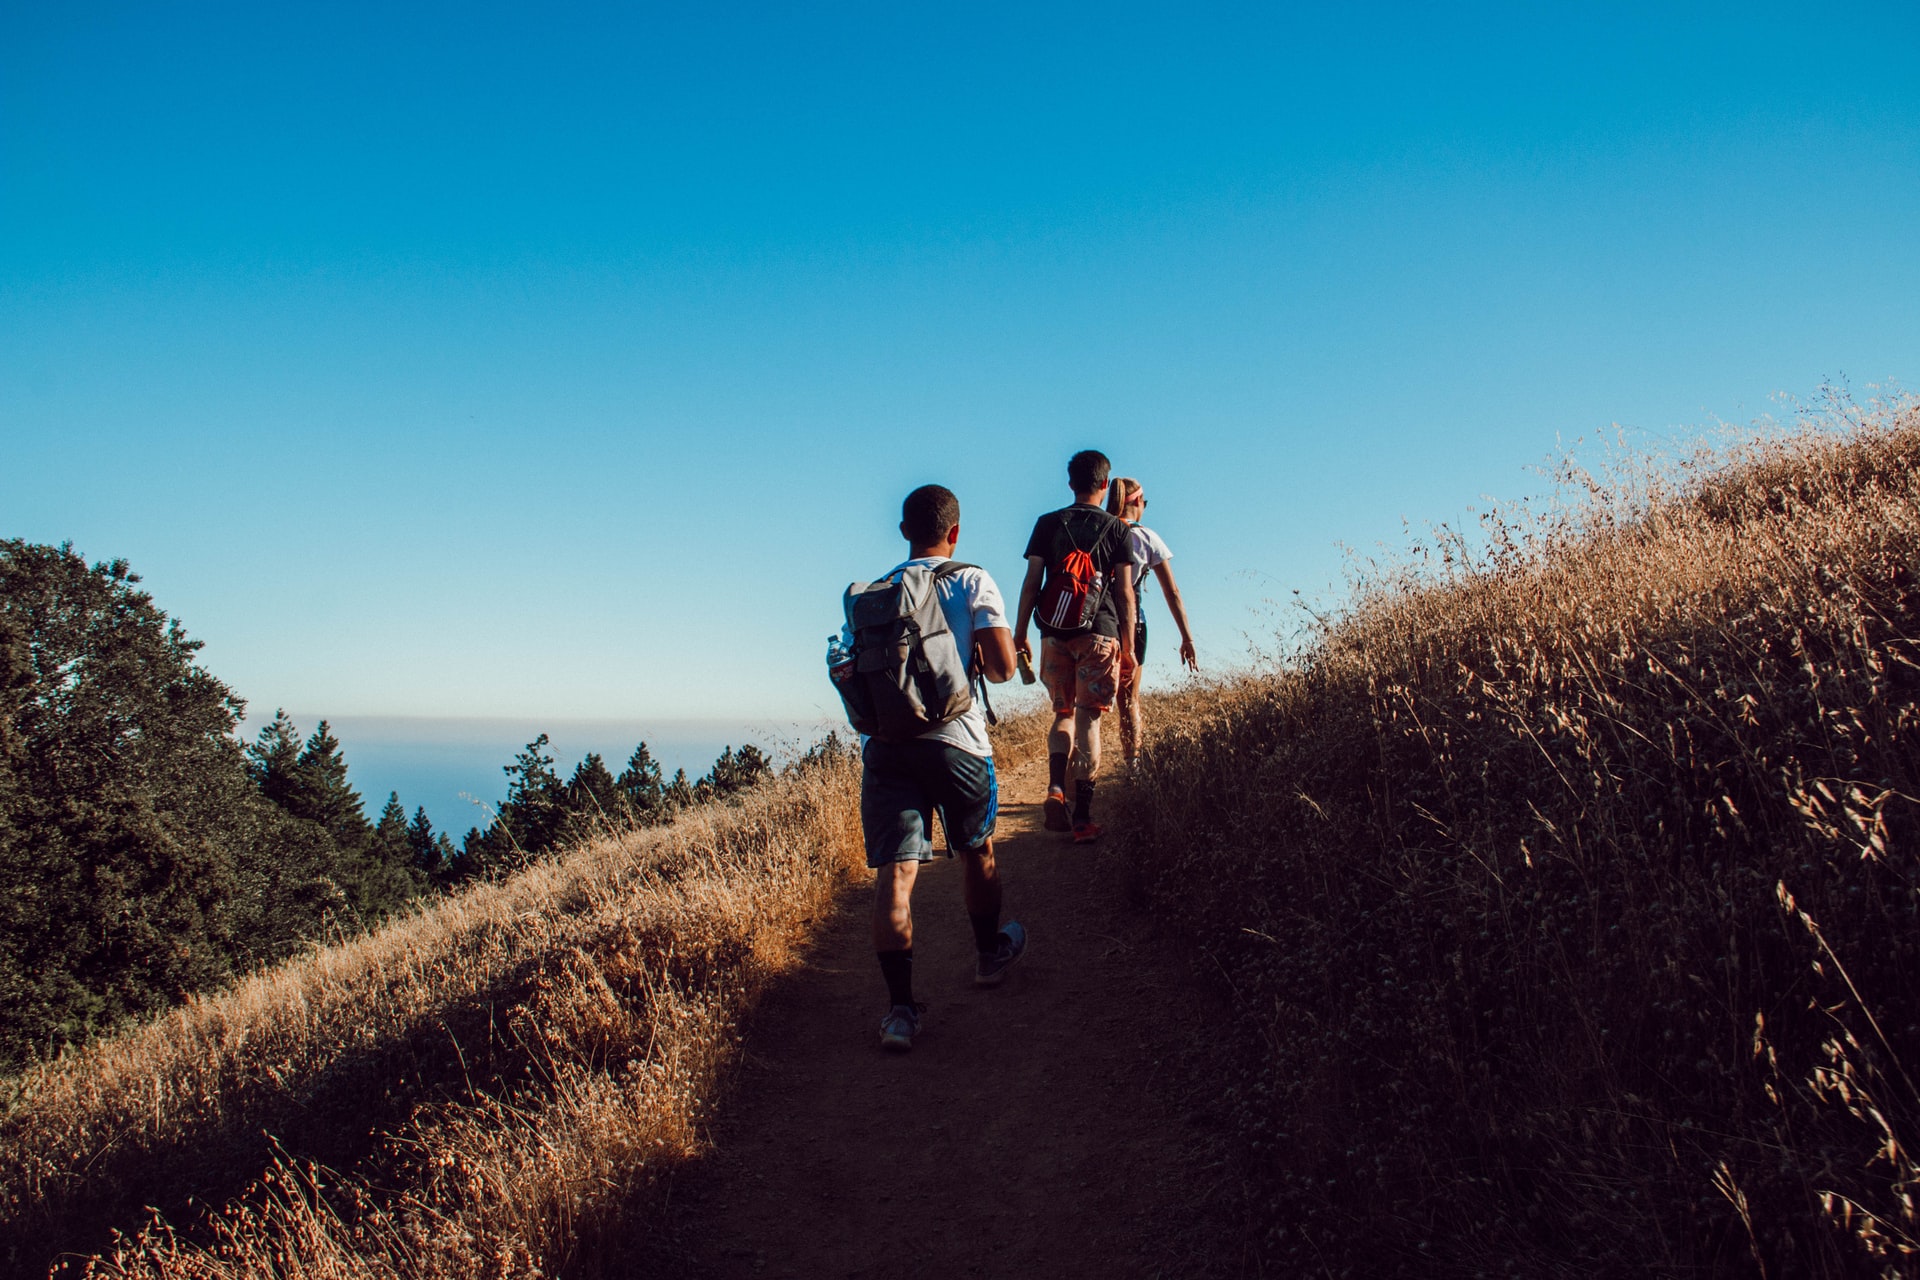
[[436, 763]]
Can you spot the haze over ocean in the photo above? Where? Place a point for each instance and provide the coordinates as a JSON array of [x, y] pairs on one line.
[[446, 360], [437, 763]]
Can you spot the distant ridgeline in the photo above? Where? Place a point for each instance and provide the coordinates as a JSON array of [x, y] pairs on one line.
[[147, 854]]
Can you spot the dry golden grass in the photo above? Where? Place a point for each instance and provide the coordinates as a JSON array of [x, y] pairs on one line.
[[1567, 884], [498, 1079]]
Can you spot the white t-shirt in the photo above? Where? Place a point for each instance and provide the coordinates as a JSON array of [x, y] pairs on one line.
[[1148, 549], [972, 603]]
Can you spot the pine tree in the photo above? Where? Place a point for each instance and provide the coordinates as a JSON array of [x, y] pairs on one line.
[[384, 877], [592, 801], [390, 833], [274, 759], [536, 800], [431, 854], [736, 771], [677, 794], [322, 794], [529, 820], [641, 795]]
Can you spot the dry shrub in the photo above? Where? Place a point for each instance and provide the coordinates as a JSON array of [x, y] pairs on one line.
[[1566, 887], [507, 1073]]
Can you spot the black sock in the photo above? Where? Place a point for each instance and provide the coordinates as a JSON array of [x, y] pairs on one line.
[[897, 968], [1057, 770], [986, 932], [1083, 800]]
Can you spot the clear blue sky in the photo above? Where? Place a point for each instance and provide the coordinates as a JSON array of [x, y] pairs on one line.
[[528, 361]]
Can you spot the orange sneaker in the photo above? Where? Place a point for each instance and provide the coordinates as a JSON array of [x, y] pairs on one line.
[[1056, 810], [1086, 832]]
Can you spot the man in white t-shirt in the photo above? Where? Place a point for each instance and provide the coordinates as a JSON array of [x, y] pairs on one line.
[[949, 768]]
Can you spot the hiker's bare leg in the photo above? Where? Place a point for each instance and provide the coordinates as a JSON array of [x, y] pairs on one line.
[[1129, 696], [1086, 742], [982, 883], [1060, 737], [893, 905]]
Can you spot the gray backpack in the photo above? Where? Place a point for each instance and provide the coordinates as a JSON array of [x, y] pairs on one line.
[[906, 674]]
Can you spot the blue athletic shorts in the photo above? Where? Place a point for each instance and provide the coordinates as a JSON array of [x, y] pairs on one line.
[[902, 785]]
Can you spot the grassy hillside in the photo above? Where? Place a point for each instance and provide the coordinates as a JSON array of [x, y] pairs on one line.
[[491, 1084], [1566, 888]]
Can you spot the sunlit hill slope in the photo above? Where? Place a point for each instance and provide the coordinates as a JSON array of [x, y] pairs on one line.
[[1563, 888], [1568, 885]]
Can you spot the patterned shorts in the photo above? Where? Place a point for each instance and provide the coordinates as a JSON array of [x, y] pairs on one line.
[[1080, 671]]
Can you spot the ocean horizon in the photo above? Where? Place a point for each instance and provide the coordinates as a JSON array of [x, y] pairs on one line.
[[454, 766]]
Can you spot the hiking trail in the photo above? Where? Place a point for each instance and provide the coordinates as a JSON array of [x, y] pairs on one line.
[[1047, 1127]]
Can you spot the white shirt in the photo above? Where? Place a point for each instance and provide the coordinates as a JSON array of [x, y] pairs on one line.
[[1149, 550], [971, 602]]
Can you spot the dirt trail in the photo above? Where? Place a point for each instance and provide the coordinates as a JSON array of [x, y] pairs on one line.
[[1044, 1128]]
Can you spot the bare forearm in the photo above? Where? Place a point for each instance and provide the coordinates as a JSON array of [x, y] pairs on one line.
[[1029, 596], [1025, 614], [1175, 605], [994, 649], [1178, 608]]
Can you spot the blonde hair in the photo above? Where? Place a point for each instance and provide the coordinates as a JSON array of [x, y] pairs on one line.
[[1123, 491]]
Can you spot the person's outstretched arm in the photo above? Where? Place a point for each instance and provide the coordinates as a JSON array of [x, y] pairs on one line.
[[1029, 596], [1178, 608]]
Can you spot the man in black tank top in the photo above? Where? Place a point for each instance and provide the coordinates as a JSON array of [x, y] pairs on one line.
[[1079, 591]]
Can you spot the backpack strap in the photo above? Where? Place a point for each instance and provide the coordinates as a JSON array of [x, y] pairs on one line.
[[978, 680]]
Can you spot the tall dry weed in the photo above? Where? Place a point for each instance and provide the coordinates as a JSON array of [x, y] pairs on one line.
[[1567, 887], [492, 1085]]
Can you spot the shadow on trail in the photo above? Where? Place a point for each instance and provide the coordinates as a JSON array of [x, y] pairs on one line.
[[1049, 1126]]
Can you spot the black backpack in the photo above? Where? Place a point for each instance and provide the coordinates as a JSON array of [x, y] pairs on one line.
[[906, 673]]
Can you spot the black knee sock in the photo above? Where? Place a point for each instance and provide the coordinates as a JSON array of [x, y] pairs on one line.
[[1057, 770], [897, 968], [986, 931], [1083, 800]]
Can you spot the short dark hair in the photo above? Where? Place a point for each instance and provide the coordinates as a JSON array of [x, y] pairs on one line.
[[928, 513], [1087, 470]]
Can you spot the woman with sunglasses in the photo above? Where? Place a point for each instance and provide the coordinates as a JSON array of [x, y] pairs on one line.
[[1128, 500]]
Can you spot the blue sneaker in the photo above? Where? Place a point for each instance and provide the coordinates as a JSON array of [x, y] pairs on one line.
[[900, 1026], [993, 965]]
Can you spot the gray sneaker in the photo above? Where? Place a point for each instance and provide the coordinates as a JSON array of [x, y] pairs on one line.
[[899, 1027], [993, 965]]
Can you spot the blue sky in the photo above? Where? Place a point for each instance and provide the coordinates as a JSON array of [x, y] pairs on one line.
[[565, 361]]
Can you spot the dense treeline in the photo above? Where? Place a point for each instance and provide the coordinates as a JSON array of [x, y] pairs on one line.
[[542, 813], [148, 853]]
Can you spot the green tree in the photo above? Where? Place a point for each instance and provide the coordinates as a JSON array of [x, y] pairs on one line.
[[322, 794], [371, 868], [592, 801], [536, 801], [382, 873], [433, 855], [142, 862], [528, 822], [642, 797], [273, 761], [736, 771]]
